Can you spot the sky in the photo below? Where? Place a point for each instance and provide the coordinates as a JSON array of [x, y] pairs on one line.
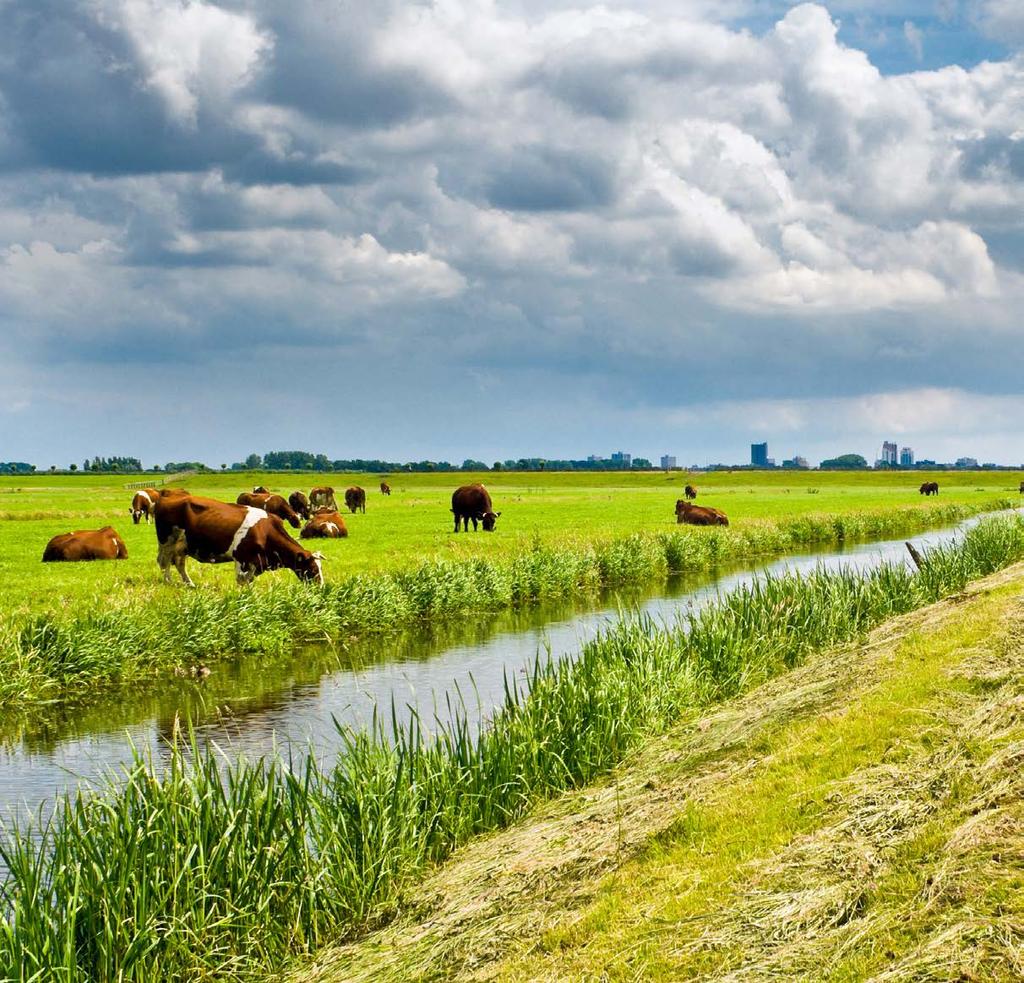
[[473, 228]]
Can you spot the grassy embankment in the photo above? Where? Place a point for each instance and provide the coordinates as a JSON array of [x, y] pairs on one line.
[[69, 627], [201, 871]]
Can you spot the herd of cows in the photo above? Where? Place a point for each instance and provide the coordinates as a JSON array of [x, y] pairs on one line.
[[249, 532]]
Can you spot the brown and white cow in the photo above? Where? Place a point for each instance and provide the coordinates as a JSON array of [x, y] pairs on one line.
[[86, 544], [217, 532], [690, 492], [355, 499], [473, 502], [261, 490], [274, 504], [323, 497], [142, 504], [699, 515], [298, 501], [324, 524], [385, 488]]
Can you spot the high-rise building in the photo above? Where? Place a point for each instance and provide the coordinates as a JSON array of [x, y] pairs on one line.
[[759, 455], [667, 461], [622, 459], [906, 457], [890, 452]]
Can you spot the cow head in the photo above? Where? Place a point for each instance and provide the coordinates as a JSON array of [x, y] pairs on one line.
[[136, 514], [489, 518], [308, 567]]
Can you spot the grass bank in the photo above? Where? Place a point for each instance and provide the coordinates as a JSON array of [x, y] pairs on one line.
[[114, 640], [206, 870]]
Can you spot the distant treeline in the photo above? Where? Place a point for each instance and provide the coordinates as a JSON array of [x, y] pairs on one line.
[[304, 461], [112, 464]]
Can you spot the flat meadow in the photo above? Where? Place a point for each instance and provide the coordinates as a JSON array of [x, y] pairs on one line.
[[414, 524]]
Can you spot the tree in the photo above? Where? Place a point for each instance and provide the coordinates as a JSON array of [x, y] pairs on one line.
[[74, 467], [845, 462], [253, 462]]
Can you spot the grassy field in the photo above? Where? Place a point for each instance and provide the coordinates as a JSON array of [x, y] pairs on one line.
[[205, 870], [859, 818], [414, 524]]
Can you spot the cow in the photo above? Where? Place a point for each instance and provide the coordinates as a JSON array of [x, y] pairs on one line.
[[385, 488], [142, 504], [261, 490], [473, 502], [218, 532], [325, 524], [298, 501], [690, 492], [274, 504], [699, 515], [86, 544], [323, 498], [929, 488], [355, 499], [1022, 487]]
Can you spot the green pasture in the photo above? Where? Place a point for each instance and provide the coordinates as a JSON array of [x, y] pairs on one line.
[[414, 524]]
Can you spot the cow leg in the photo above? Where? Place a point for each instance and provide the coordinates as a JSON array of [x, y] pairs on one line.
[[457, 521], [474, 525]]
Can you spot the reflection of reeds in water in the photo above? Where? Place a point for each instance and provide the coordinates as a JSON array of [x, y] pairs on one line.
[[209, 868], [47, 655]]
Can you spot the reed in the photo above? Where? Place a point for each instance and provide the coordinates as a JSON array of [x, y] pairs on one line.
[[153, 630], [204, 867]]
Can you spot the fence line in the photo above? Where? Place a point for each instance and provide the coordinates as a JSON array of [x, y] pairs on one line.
[[166, 479]]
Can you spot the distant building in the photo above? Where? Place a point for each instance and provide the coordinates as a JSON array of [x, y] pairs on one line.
[[795, 462], [621, 459], [906, 457], [668, 462], [759, 455], [966, 462], [890, 453]]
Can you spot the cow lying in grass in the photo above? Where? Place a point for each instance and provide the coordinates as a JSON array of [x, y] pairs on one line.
[[217, 532], [86, 544], [324, 524], [699, 515]]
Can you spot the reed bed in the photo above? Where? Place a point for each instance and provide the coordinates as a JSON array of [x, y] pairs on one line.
[[210, 868], [154, 630]]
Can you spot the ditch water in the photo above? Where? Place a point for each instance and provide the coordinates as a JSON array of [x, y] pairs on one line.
[[247, 707]]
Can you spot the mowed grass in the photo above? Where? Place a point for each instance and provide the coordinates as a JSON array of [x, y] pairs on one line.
[[414, 524]]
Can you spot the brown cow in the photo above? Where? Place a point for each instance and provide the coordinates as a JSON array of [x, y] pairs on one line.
[[385, 488], [323, 498], [355, 499], [298, 501], [261, 490], [690, 491], [142, 504], [929, 488], [274, 504], [325, 524], [86, 544], [699, 515], [473, 502], [1022, 487], [217, 532]]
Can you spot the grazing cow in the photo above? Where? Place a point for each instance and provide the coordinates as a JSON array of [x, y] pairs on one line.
[[385, 488], [142, 504], [699, 515], [355, 499], [261, 490], [929, 488], [217, 532], [274, 504], [86, 544], [323, 498], [473, 502], [1022, 487], [298, 501], [690, 492], [324, 524]]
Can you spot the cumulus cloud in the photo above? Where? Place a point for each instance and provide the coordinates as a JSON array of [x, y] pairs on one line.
[[631, 194]]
